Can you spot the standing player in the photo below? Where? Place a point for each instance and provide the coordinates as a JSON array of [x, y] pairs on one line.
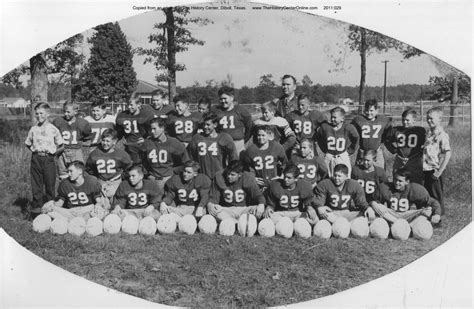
[[265, 159], [372, 129], [233, 119], [210, 149], [303, 121], [132, 125], [313, 169], [337, 140], [182, 124], [287, 102], [233, 193], [159, 103], [340, 196], [290, 197], [368, 175], [75, 131], [393, 201], [136, 196], [107, 163], [406, 142], [280, 129], [162, 155], [188, 191], [99, 121]]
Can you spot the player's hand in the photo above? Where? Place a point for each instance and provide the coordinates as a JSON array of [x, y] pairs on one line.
[[436, 174], [312, 215], [369, 213], [199, 212], [213, 209], [260, 181], [149, 210], [268, 212], [164, 209], [435, 219], [259, 211], [324, 211], [47, 207], [150, 177], [141, 140]]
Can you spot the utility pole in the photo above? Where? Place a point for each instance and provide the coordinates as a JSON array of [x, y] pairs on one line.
[[384, 85]]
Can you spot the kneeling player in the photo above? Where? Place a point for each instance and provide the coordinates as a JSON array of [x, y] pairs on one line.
[[189, 191], [290, 197], [79, 195], [136, 196], [393, 201], [367, 174], [235, 192], [340, 196], [312, 168]]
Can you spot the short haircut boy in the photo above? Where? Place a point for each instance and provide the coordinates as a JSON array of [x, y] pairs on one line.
[[159, 121], [409, 111], [371, 102], [234, 166], [341, 168], [211, 116], [226, 90], [269, 105], [404, 173], [292, 169], [159, 92], [109, 133], [195, 166], [43, 106], [181, 98], [339, 110], [303, 97], [77, 164]]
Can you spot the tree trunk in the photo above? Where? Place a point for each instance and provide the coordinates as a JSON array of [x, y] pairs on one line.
[[363, 56], [454, 100], [39, 82], [170, 22]]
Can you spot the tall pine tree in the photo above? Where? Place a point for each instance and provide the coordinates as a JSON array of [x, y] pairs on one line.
[[109, 70]]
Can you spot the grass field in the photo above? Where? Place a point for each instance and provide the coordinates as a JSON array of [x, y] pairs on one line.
[[216, 271]]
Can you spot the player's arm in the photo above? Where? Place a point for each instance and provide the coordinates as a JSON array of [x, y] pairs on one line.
[[230, 152], [320, 139], [421, 198], [387, 129], [307, 202], [359, 197], [214, 198], [353, 139], [270, 198], [87, 132], [390, 140], [180, 156], [204, 193], [120, 196], [322, 167], [289, 135], [256, 196], [248, 123], [90, 166], [192, 149], [444, 156], [319, 201]]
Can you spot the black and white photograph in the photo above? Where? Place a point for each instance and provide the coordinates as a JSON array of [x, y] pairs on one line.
[[236, 154]]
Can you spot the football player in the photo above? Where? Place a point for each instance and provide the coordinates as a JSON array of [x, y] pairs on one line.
[[204, 106], [137, 196], [132, 125], [341, 196], [107, 163], [313, 169], [337, 140], [99, 121], [188, 191], [290, 197], [210, 149], [393, 201], [368, 175], [182, 124], [159, 103], [406, 142], [373, 129], [235, 192], [287, 102], [265, 159], [233, 119], [75, 132]]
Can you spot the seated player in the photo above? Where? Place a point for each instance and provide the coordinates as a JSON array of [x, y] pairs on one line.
[[341, 196], [161, 154], [406, 142], [235, 192], [368, 175], [304, 121], [280, 130], [182, 124], [79, 195], [393, 201], [99, 121], [290, 197], [189, 192], [265, 159], [337, 140], [107, 163], [136, 196], [210, 149], [313, 169]]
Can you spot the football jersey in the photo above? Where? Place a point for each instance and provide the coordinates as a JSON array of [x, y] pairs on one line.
[[133, 127], [280, 198], [266, 164], [192, 193], [401, 201], [161, 158], [212, 153], [83, 195], [336, 142], [312, 170], [243, 192], [369, 181], [129, 197], [284, 107], [406, 142], [305, 125], [73, 134], [351, 196], [371, 133], [99, 126], [183, 127], [237, 122], [280, 131], [107, 165]]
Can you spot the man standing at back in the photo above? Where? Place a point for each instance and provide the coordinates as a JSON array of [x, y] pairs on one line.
[[288, 101]]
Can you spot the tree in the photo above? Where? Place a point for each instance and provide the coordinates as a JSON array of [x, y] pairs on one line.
[[172, 37], [265, 89], [109, 71]]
